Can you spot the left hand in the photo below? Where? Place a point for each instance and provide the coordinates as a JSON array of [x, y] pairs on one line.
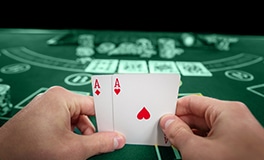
[[44, 129]]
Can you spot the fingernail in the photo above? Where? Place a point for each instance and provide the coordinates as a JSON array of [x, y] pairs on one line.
[[168, 122], [118, 142]]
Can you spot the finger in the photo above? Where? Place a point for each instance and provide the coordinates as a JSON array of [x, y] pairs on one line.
[[200, 133], [195, 105], [204, 108], [102, 142], [77, 104], [81, 105], [178, 133], [85, 125], [38, 95], [195, 122]]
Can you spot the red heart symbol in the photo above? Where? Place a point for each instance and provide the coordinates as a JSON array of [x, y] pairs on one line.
[[143, 113], [117, 91]]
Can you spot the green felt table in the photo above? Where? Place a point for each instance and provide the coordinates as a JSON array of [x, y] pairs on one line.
[[29, 66]]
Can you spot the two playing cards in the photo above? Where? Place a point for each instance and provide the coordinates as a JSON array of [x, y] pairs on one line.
[[134, 103]]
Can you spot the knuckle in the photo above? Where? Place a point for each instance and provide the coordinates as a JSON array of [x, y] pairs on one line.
[[55, 91], [238, 105]]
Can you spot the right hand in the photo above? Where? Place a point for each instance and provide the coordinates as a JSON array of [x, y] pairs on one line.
[[207, 128]]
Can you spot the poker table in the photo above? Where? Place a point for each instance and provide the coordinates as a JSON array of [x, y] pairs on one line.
[[32, 60]]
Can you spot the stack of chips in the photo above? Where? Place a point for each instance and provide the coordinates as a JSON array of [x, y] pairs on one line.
[[5, 99], [105, 47], [85, 48], [223, 43], [220, 42], [124, 48], [86, 40], [142, 48], [167, 48], [145, 48]]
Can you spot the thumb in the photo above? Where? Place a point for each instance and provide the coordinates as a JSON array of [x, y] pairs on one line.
[[178, 132], [102, 142]]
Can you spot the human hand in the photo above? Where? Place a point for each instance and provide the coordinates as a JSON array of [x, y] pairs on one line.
[[207, 128], [44, 129]]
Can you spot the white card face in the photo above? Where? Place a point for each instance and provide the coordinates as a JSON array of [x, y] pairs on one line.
[[162, 67], [133, 66], [193, 69], [139, 102], [102, 93], [102, 66]]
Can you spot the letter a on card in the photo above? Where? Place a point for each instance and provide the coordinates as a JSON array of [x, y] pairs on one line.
[[117, 87]]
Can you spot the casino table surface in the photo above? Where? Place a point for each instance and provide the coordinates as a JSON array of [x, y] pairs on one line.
[[32, 60]]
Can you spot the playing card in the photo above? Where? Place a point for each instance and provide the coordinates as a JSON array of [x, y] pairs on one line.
[[139, 101], [133, 66], [102, 66], [162, 67], [102, 93], [193, 69]]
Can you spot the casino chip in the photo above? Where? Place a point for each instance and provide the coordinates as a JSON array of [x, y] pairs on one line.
[[188, 39], [86, 40], [85, 46], [5, 99], [82, 51], [105, 47]]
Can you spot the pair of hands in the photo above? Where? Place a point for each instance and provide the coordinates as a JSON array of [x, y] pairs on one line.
[[204, 128]]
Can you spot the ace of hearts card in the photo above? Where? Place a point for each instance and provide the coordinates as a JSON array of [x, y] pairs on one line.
[[134, 103]]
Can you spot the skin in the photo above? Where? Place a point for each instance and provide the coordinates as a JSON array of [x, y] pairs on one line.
[[203, 128], [207, 128], [44, 129]]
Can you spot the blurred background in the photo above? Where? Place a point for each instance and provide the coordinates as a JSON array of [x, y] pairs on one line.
[[217, 48]]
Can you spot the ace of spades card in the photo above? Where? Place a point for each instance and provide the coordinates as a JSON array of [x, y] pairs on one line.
[[138, 102]]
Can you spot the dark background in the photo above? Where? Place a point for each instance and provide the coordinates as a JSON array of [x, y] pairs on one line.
[[218, 17]]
